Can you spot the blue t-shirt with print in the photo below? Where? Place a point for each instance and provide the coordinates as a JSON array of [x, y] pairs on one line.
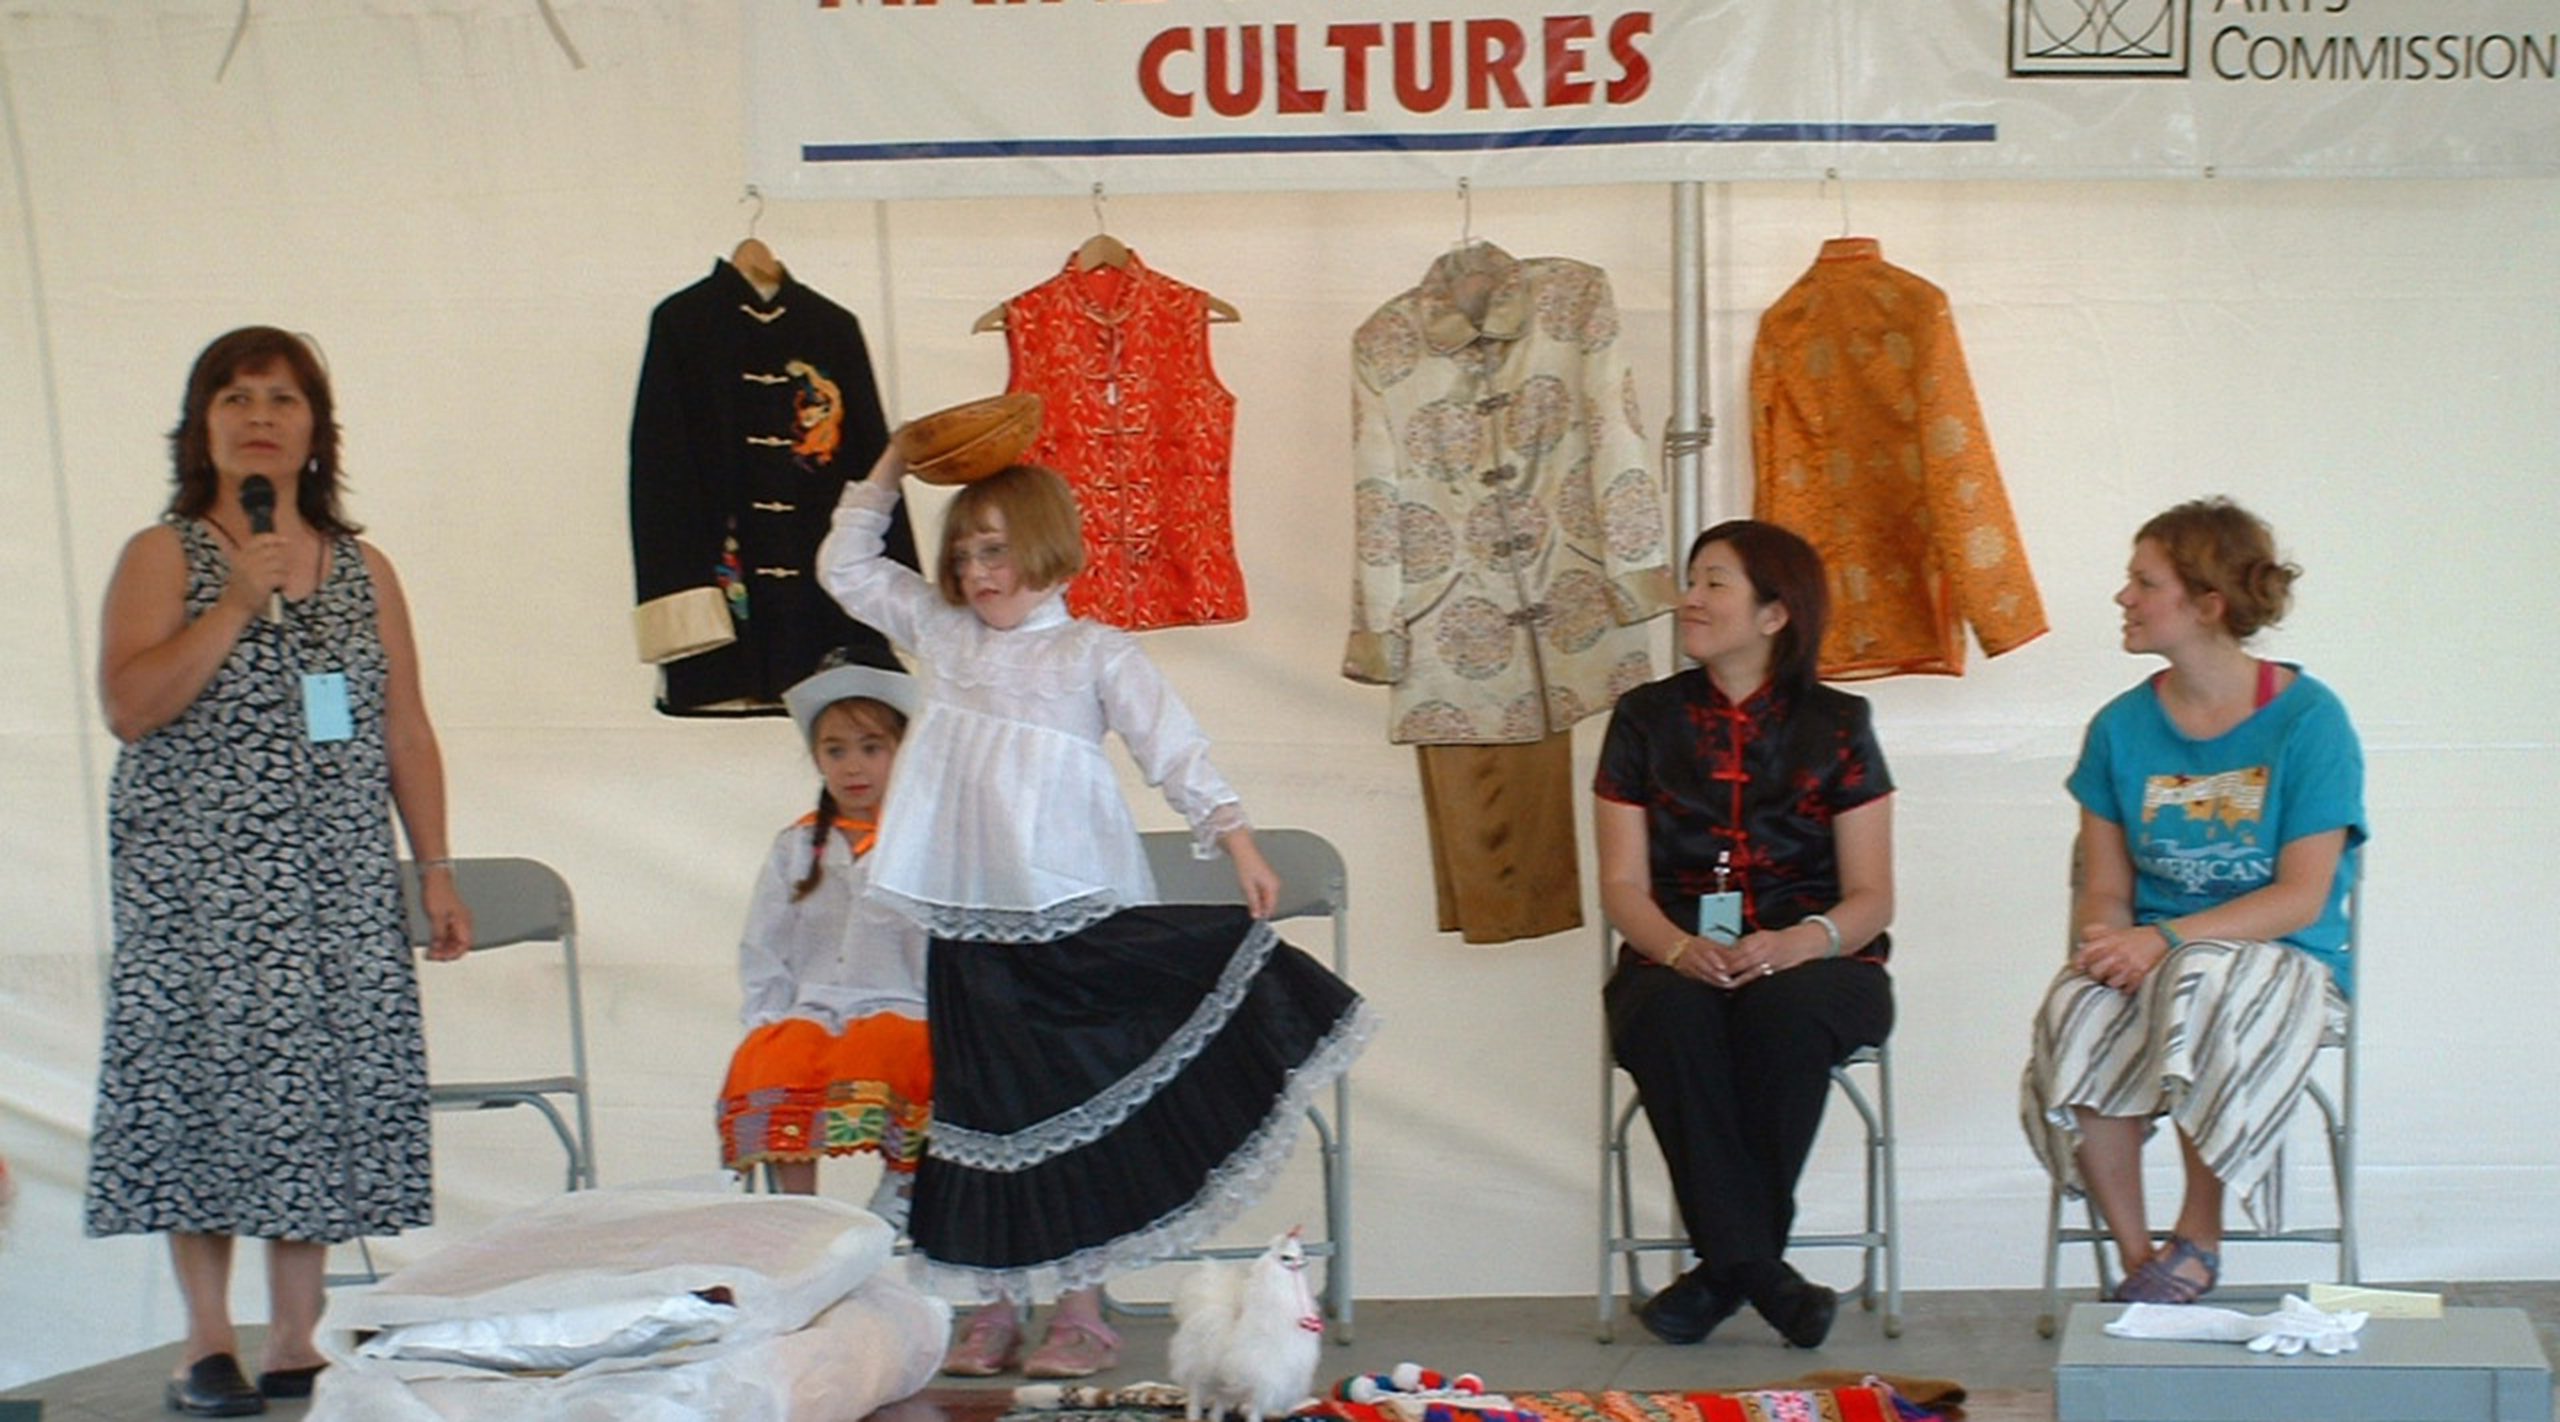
[[2205, 819]]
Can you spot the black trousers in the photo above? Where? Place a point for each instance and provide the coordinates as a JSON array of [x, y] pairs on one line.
[[1734, 1084]]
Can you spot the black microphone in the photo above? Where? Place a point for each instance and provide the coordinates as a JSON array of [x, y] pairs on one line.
[[258, 501]]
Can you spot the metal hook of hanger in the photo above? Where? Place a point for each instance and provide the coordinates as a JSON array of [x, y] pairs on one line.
[[754, 195], [1831, 177], [1099, 225], [1466, 212], [239, 27], [560, 35]]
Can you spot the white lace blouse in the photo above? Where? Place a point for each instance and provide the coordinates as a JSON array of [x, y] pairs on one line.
[[1004, 819], [833, 956]]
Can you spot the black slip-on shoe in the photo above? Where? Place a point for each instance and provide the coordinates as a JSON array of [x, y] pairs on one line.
[[214, 1387], [1687, 1309], [288, 1382], [1801, 1310]]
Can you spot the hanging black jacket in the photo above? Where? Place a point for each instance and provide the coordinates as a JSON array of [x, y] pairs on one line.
[[752, 414]]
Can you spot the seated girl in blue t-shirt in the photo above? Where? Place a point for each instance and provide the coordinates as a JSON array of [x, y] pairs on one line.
[[2220, 804]]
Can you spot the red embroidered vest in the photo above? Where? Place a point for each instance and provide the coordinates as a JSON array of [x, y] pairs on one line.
[[1144, 433]]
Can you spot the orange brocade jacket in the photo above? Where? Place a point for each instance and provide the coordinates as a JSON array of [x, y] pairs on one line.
[[1867, 442]]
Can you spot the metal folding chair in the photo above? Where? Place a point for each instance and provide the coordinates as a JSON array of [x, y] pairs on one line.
[[512, 901], [1878, 1239], [518, 901], [2338, 1128], [1313, 884]]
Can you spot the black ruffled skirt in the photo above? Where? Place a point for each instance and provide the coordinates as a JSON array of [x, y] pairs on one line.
[[1110, 1099]]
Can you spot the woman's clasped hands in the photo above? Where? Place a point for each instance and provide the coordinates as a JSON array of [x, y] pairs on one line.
[[2120, 957], [1745, 960]]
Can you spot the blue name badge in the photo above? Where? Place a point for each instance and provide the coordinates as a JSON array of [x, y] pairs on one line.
[[326, 716], [1720, 916]]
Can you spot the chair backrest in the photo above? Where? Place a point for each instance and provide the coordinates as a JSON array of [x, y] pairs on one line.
[[520, 901], [1312, 878], [512, 901]]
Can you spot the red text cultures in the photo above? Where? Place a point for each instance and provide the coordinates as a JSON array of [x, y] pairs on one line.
[[1408, 66]]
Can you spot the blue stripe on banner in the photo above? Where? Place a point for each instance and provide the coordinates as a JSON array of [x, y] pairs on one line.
[[1406, 142]]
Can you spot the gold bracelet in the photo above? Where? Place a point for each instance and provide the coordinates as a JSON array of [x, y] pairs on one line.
[[1677, 953], [430, 865]]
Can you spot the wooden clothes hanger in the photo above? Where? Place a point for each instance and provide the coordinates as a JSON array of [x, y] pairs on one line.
[[1102, 250], [754, 260]]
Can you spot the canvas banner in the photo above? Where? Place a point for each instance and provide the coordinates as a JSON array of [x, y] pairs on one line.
[[923, 98]]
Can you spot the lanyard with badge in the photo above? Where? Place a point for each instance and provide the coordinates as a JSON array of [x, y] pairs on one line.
[[328, 714], [1720, 913]]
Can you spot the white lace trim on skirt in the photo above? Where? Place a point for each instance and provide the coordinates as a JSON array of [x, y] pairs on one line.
[[979, 924], [1230, 1190], [1097, 1117]]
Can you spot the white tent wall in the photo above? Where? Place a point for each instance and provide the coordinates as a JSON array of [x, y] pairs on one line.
[[475, 231]]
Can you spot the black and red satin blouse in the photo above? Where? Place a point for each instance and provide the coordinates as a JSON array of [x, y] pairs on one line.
[[1756, 783]]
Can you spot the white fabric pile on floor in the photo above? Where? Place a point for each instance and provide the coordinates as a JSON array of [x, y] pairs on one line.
[[2292, 1328], [637, 1306]]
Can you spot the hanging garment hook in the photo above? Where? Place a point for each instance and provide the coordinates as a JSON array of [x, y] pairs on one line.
[[1831, 178], [560, 35], [754, 195], [1098, 224], [239, 27], [1466, 212]]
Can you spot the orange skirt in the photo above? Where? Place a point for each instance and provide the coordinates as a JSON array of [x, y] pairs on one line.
[[797, 1091]]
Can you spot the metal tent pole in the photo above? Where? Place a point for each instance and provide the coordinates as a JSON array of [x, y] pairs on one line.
[[1686, 435]]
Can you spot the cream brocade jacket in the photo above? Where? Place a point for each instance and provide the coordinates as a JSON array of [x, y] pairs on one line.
[[1510, 528]]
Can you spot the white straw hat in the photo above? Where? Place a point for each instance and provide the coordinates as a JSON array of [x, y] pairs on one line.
[[828, 687]]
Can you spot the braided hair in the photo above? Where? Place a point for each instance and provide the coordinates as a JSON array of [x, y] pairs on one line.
[[867, 713]]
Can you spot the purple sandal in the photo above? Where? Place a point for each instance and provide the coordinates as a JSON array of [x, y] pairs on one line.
[[2159, 1282]]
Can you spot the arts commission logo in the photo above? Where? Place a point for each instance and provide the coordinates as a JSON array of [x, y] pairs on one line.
[[2087, 38], [2271, 41]]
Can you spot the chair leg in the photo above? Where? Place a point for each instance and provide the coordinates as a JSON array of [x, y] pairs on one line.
[[1884, 1166], [1604, 1326], [2339, 1128], [1875, 1224], [1637, 1293], [1337, 1215], [2100, 1262], [2047, 1320]]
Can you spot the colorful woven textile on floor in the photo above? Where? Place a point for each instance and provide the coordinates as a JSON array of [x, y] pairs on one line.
[[1872, 1403]]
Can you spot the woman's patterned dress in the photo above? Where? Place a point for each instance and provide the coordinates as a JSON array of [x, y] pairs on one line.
[[264, 1071]]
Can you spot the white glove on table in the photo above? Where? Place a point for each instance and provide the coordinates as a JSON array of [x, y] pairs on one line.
[[2293, 1327]]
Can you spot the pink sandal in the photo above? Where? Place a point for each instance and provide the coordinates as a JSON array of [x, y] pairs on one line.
[[1072, 1349], [988, 1345]]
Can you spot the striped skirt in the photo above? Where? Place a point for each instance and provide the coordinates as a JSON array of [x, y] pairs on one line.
[[2219, 1038]]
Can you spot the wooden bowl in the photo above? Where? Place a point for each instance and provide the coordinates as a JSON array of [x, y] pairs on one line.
[[968, 442]]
